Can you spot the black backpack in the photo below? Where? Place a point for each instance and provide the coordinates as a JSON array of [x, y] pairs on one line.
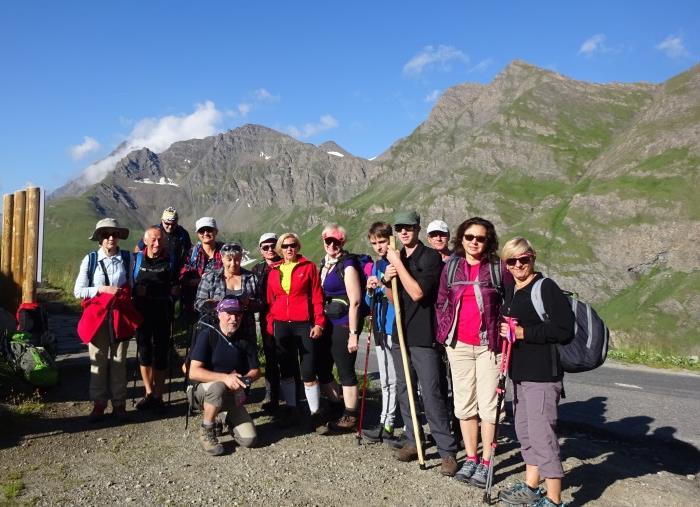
[[361, 262], [589, 346]]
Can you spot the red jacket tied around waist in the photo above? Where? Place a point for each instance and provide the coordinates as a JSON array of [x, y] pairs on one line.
[[126, 319], [304, 303]]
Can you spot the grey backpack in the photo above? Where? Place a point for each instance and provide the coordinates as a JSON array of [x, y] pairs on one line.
[[589, 347]]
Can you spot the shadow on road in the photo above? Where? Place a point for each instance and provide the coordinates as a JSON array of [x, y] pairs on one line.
[[612, 453]]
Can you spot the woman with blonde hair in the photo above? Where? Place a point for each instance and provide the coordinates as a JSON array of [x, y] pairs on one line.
[[536, 373], [296, 321]]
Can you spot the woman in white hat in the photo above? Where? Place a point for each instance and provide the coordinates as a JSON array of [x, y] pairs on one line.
[[106, 270]]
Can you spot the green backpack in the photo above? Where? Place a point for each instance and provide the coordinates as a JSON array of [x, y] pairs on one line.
[[34, 363]]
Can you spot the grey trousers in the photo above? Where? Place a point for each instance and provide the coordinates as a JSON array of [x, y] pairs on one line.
[[426, 363], [387, 379], [107, 368], [536, 412]]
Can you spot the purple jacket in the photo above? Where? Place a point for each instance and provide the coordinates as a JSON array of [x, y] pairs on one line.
[[448, 303]]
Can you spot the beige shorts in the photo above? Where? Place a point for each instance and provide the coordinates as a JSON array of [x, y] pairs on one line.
[[474, 380]]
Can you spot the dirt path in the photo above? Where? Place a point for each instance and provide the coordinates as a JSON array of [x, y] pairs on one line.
[[61, 459]]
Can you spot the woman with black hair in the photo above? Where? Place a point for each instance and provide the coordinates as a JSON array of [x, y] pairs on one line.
[[468, 308]]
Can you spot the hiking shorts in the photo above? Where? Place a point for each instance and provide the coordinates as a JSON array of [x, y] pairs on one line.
[[475, 372]]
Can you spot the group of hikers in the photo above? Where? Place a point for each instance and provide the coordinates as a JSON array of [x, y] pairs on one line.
[[457, 302]]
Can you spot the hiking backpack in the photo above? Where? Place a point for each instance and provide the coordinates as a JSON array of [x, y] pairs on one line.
[[138, 260], [92, 265], [33, 320], [589, 346], [34, 363], [494, 269], [363, 263]]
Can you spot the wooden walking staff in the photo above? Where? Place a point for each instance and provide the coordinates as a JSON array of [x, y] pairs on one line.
[[406, 370]]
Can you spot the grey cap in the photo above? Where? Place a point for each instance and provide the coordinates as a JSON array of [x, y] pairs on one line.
[[205, 222], [409, 217], [268, 236], [437, 226], [111, 224]]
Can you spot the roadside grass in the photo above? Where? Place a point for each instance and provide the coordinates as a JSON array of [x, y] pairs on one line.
[[655, 359], [12, 485]]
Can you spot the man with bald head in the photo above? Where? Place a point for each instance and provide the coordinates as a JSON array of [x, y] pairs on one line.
[[154, 276]]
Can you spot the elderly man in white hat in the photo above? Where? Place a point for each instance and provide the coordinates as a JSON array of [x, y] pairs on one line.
[[439, 238], [106, 271]]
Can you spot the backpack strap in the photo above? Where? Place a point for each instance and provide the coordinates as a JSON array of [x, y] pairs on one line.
[[138, 259], [92, 266], [536, 296], [496, 279], [104, 271], [126, 260], [452, 263]]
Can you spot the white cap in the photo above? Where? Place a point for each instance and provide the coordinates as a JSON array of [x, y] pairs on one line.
[[205, 222], [437, 225], [268, 236]]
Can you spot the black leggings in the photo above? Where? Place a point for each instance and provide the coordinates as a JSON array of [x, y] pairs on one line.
[[336, 337], [293, 341]]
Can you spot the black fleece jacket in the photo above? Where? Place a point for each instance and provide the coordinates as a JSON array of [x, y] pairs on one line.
[[535, 358]]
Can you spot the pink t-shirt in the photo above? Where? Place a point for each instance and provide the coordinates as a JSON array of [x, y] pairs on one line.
[[469, 319]]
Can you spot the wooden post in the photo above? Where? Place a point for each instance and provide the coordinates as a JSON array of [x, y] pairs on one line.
[[18, 237], [31, 242], [8, 201]]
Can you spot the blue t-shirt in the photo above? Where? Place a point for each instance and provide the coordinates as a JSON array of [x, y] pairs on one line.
[[383, 309], [225, 355]]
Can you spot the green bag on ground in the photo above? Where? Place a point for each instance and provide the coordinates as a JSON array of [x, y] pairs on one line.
[[33, 362]]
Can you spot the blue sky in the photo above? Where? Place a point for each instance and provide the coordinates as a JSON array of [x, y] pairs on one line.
[[78, 78]]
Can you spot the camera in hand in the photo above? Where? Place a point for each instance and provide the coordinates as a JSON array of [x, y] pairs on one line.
[[246, 381]]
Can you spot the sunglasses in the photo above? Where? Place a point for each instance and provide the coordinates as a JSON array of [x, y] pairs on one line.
[[109, 234], [332, 241], [227, 248], [435, 234], [524, 260], [471, 237], [267, 248], [205, 230], [286, 246], [402, 227]]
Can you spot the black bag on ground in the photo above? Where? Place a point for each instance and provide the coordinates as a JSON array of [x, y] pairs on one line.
[[589, 347]]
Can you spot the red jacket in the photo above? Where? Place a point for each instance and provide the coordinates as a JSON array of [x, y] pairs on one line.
[[304, 303], [126, 318]]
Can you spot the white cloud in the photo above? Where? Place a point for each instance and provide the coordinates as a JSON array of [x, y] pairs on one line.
[[593, 44], [673, 47], [482, 65], [157, 134], [262, 95], [326, 122], [244, 109], [434, 57], [432, 96], [89, 145]]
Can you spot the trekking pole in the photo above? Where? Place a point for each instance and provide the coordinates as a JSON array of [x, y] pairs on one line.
[[364, 382], [406, 370], [171, 349], [501, 391]]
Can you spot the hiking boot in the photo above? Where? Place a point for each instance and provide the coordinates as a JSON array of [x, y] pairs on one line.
[[98, 412], [478, 478], [119, 413], [520, 494], [465, 473], [546, 502], [347, 423], [286, 417], [146, 403], [270, 405], [210, 444], [448, 468], [318, 422], [408, 452], [378, 433]]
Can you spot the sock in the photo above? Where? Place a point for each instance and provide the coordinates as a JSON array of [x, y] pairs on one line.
[[534, 490], [485, 462], [313, 397], [389, 428], [289, 392], [475, 459], [209, 424], [350, 412]]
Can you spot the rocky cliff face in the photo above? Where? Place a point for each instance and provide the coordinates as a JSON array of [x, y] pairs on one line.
[[601, 178]]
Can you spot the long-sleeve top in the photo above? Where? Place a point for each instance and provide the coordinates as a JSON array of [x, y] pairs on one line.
[[535, 358], [116, 272]]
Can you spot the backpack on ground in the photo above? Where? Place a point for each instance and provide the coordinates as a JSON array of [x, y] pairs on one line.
[[33, 320], [589, 347], [34, 362]]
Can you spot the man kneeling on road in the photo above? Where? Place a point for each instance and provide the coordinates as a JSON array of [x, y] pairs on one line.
[[225, 366]]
